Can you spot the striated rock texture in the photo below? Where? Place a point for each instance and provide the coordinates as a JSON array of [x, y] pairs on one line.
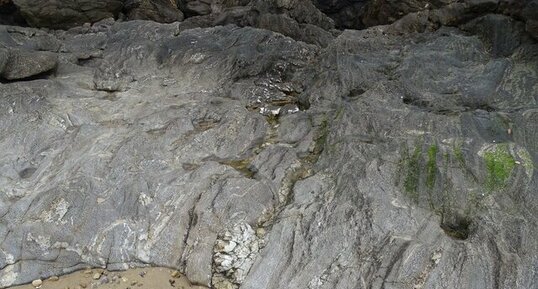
[[272, 150]]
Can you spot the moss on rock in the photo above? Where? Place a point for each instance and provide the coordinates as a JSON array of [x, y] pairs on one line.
[[499, 166], [431, 166]]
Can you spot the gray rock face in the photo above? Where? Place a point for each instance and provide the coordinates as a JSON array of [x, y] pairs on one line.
[[379, 158]]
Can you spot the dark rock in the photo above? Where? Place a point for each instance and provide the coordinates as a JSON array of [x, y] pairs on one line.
[[378, 12], [501, 34], [530, 14], [63, 14], [196, 7], [4, 57], [10, 15], [22, 64], [532, 28], [165, 11]]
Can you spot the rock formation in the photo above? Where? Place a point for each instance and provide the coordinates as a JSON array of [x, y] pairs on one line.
[[258, 144]]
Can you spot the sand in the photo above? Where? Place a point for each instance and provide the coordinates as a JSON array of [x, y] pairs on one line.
[[143, 278]]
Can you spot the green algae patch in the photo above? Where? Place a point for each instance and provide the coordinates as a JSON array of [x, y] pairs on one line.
[[458, 153], [431, 166], [412, 178], [499, 166]]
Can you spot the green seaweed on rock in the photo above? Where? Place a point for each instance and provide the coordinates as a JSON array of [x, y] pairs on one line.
[[499, 165], [431, 166]]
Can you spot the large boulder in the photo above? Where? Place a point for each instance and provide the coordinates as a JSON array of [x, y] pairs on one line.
[[19, 64], [398, 156]]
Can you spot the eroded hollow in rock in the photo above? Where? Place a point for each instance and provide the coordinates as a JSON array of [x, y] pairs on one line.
[[457, 226], [43, 75], [27, 173]]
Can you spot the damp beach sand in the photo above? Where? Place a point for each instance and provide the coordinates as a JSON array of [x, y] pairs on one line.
[[140, 278]]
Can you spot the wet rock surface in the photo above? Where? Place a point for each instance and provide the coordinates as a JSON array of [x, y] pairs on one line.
[[398, 156]]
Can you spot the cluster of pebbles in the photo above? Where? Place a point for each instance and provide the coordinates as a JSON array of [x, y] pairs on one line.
[[233, 255], [98, 277], [140, 278]]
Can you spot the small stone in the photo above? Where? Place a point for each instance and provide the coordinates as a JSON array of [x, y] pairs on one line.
[[37, 283], [175, 274], [124, 279], [224, 262], [134, 283], [436, 257], [83, 285], [254, 247], [225, 246], [260, 232], [54, 278], [88, 271], [96, 276], [142, 274], [104, 280], [227, 236]]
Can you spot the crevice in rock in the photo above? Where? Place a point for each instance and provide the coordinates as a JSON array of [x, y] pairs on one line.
[[243, 166], [10, 14], [354, 94], [429, 106], [90, 61], [112, 96], [27, 173], [43, 75], [193, 220], [456, 226], [294, 173], [109, 91]]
